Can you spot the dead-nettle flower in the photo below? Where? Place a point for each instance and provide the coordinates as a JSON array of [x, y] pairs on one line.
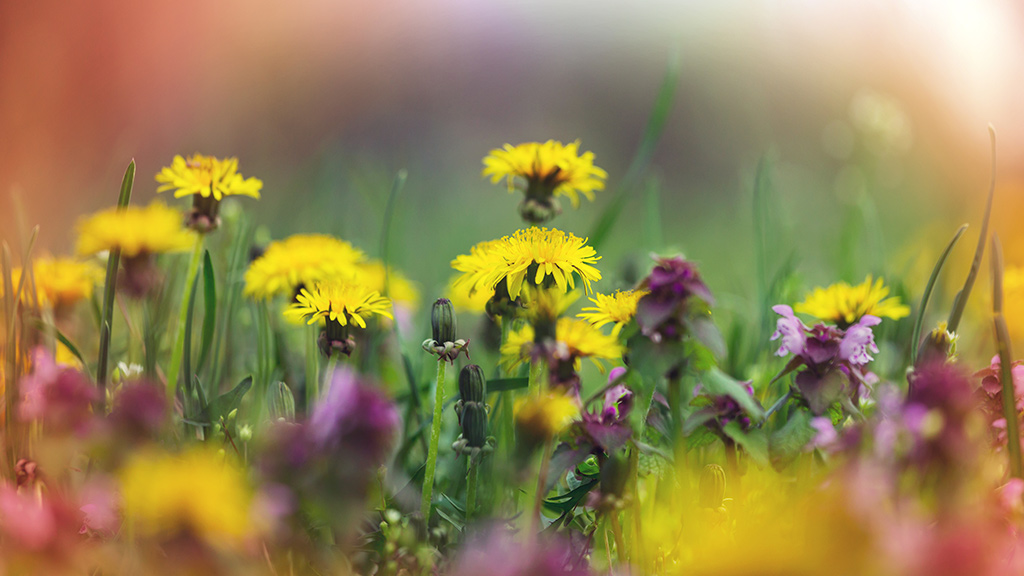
[[990, 396], [718, 411], [444, 342], [675, 294], [833, 360], [60, 397], [606, 430]]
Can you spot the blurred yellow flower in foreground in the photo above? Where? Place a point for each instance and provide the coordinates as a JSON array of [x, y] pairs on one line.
[[135, 231], [580, 338], [196, 492], [60, 282], [206, 176], [843, 304]]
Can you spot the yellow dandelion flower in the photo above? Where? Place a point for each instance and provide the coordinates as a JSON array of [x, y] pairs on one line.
[[339, 302], [136, 231], [197, 492], [844, 305], [550, 169], [1013, 300], [581, 339], [206, 176], [618, 308], [299, 260], [465, 300], [61, 282], [544, 416], [537, 255]]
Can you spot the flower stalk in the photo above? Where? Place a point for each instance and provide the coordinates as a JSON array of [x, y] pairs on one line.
[[1005, 361], [435, 440]]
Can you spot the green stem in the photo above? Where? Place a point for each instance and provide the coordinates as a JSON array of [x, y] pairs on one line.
[[471, 489], [538, 498], [179, 338], [1005, 361], [435, 439], [312, 367], [536, 375], [109, 285]]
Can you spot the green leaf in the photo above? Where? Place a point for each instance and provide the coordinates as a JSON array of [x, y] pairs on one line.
[[506, 384], [209, 311], [109, 285], [226, 402], [566, 502], [719, 383], [754, 441], [786, 443]]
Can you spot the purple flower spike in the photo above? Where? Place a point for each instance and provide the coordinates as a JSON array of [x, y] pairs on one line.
[[791, 330], [859, 341]]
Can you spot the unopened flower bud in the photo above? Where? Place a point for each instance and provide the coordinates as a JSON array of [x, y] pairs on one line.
[[442, 321], [282, 402], [474, 425], [712, 486], [472, 385]]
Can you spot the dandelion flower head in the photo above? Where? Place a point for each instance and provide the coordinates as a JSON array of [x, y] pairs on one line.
[[297, 261], [580, 338], [537, 255], [545, 415], [551, 168], [197, 492], [618, 309], [60, 282], [340, 302], [206, 176], [844, 305], [154, 229]]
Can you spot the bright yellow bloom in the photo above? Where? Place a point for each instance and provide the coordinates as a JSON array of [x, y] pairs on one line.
[[300, 260], [339, 302], [1013, 300], [551, 168], [206, 176], [466, 301], [582, 339], [154, 229], [618, 308], [845, 305], [196, 492], [533, 254], [545, 415], [60, 282]]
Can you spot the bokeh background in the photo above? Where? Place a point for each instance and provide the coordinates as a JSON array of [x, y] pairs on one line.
[[873, 114]]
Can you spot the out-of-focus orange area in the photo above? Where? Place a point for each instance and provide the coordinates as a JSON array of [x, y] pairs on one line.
[[887, 99]]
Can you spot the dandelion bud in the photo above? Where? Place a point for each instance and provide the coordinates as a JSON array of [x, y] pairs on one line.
[[474, 425], [442, 321], [282, 402], [614, 475], [472, 384], [940, 343], [712, 486]]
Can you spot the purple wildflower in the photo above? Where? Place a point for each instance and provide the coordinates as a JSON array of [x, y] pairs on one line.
[[353, 417], [502, 554], [792, 331], [673, 284], [60, 397], [858, 341]]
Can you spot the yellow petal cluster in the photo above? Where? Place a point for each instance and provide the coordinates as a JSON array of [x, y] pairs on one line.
[[196, 492], [844, 305], [618, 309], [299, 260], [582, 339], [60, 282], [545, 415], [206, 176], [534, 255], [154, 229], [551, 164], [339, 302]]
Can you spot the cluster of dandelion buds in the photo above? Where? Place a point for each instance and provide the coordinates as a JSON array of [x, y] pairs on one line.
[[472, 411], [443, 342]]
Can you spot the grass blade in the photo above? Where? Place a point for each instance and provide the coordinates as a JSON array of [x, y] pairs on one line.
[[1005, 361], [209, 310], [915, 340], [960, 302], [109, 286], [652, 133]]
